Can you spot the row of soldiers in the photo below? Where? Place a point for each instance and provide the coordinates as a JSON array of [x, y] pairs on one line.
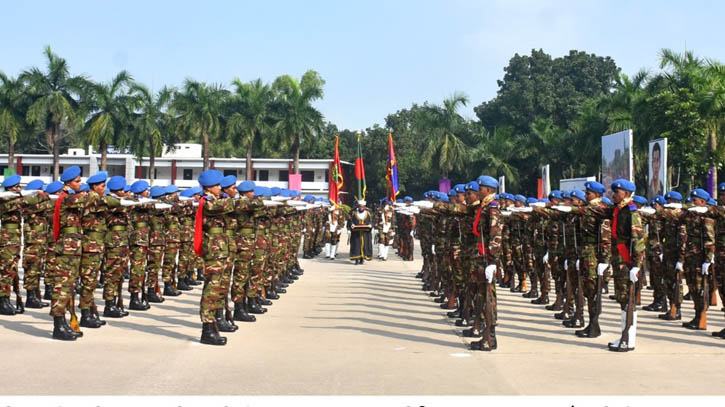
[[394, 228], [241, 239], [578, 239]]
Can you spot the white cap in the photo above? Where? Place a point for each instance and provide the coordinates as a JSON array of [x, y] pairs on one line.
[[361, 202]]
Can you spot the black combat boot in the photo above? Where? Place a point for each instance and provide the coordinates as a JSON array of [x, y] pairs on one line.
[[87, 320], [240, 312], [33, 300], [182, 285], [136, 304], [253, 307], [719, 334], [591, 331], [111, 311], [170, 291], [544, 299], [60, 331], [271, 294], [262, 301], [658, 305], [200, 275], [152, 297], [191, 282], [674, 314], [210, 334], [221, 322], [6, 308], [78, 334], [574, 322], [48, 295]]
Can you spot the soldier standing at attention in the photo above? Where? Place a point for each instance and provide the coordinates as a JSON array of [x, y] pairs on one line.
[[173, 242], [116, 244], [244, 211], [212, 244], [187, 257], [673, 252], [35, 240], [139, 246], [157, 245]]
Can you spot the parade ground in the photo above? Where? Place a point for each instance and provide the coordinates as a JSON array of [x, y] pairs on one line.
[[343, 329]]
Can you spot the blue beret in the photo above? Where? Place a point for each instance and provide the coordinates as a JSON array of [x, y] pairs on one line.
[[170, 189], [11, 181], [70, 173], [639, 199], [54, 187], [116, 183], [673, 195], [157, 191], [286, 193], [97, 178], [209, 178], [532, 200], [245, 186], [607, 201], [595, 187], [721, 187], [187, 193], [545, 200], [84, 187], [408, 199], [555, 194], [497, 196], [487, 181], [258, 191], [459, 188], [579, 195], [139, 186], [452, 192], [711, 202], [275, 191], [565, 195], [127, 188], [34, 185], [699, 193], [444, 197], [659, 199], [520, 198], [228, 181], [623, 184]]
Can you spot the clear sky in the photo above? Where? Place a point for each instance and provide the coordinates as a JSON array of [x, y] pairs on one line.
[[376, 56]]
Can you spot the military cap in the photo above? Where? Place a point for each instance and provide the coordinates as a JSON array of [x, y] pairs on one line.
[[607, 201], [84, 187], [408, 199], [555, 194], [623, 184], [97, 178], [170, 189], [54, 187], [34, 185], [228, 181], [520, 198], [245, 186], [11, 181], [127, 188], [187, 193], [531, 200], [565, 195], [659, 199], [487, 181], [198, 190], [721, 187], [139, 186], [699, 193], [70, 173], [308, 198], [452, 192], [595, 187], [157, 191], [545, 200], [639, 199], [673, 195], [209, 178], [459, 188], [275, 191], [258, 190], [578, 194], [443, 197], [711, 202], [116, 183], [285, 193]]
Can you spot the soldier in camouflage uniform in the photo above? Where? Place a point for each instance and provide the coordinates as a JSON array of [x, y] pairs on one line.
[[116, 244], [673, 253], [187, 257], [719, 268], [262, 224], [245, 241], [139, 247], [157, 246], [538, 225], [172, 284], [224, 318], [212, 243], [35, 241], [507, 257], [654, 228]]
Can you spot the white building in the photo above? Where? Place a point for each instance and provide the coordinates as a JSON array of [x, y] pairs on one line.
[[180, 166]]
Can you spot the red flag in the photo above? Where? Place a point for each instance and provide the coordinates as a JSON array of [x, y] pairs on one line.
[[199, 227], [336, 179]]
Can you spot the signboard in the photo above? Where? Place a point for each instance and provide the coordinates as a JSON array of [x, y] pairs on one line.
[[617, 161]]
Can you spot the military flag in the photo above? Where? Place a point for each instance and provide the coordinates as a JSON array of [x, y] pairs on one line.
[[360, 172], [391, 173], [336, 179]]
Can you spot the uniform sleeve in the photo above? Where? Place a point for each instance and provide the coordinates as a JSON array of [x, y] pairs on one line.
[[638, 240], [709, 239], [494, 232], [605, 242]]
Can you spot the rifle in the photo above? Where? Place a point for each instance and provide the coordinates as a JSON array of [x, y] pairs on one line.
[[579, 313], [119, 299], [705, 302], [19, 307], [630, 315], [487, 314], [713, 287]]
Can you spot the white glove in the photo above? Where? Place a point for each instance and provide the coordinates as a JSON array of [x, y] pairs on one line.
[[185, 198], [272, 203], [562, 208], [566, 264], [601, 268], [490, 272], [546, 258], [648, 211], [660, 256], [577, 265], [162, 206], [433, 249], [29, 193], [523, 209], [698, 209], [53, 197], [392, 233], [8, 195], [705, 268], [633, 274], [539, 204], [505, 213], [128, 202], [423, 204], [411, 233], [673, 205], [678, 266]]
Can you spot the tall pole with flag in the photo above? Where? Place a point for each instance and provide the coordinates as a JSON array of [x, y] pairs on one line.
[[336, 179], [391, 173], [360, 172]]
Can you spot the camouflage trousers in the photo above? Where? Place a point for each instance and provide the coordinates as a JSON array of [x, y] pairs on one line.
[[621, 281], [672, 278], [522, 261], [542, 272], [308, 243], [243, 267], [274, 261], [65, 271], [572, 275], [169, 266], [155, 265], [90, 267], [507, 259], [186, 260], [259, 264], [556, 265], [113, 268], [656, 276], [50, 266], [9, 257], [139, 254], [694, 278], [33, 261], [213, 294], [409, 245]]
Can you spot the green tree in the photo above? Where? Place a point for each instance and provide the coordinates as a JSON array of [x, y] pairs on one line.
[[12, 112], [152, 125], [54, 100], [297, 119]]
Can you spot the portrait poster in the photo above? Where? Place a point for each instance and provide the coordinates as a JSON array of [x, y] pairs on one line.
[[657, 168], [617, 161]]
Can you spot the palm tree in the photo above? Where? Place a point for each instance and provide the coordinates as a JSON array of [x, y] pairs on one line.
[[620, 104], [438, 126], [249, 120], [151, 121], [110, 115], [200, 112], [12, 112], [496, 152], [297, 119], [53, 101]]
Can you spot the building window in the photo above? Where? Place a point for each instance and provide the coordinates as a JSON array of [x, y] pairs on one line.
[[262, 175], [230, 172], [26, 170], [327, 175], [284, 175], [308, 176], [188, 174], [35, 170]]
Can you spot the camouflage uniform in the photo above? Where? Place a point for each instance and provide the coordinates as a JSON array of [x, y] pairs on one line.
[[94, 234], [215, 252], [117, 254], [654, 229], [187, 257], [673, 251], [35, 232], [699, 249], [244, 218], [627, 241], [262, 224], [173, 240], [540, 239], [139, 246]]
